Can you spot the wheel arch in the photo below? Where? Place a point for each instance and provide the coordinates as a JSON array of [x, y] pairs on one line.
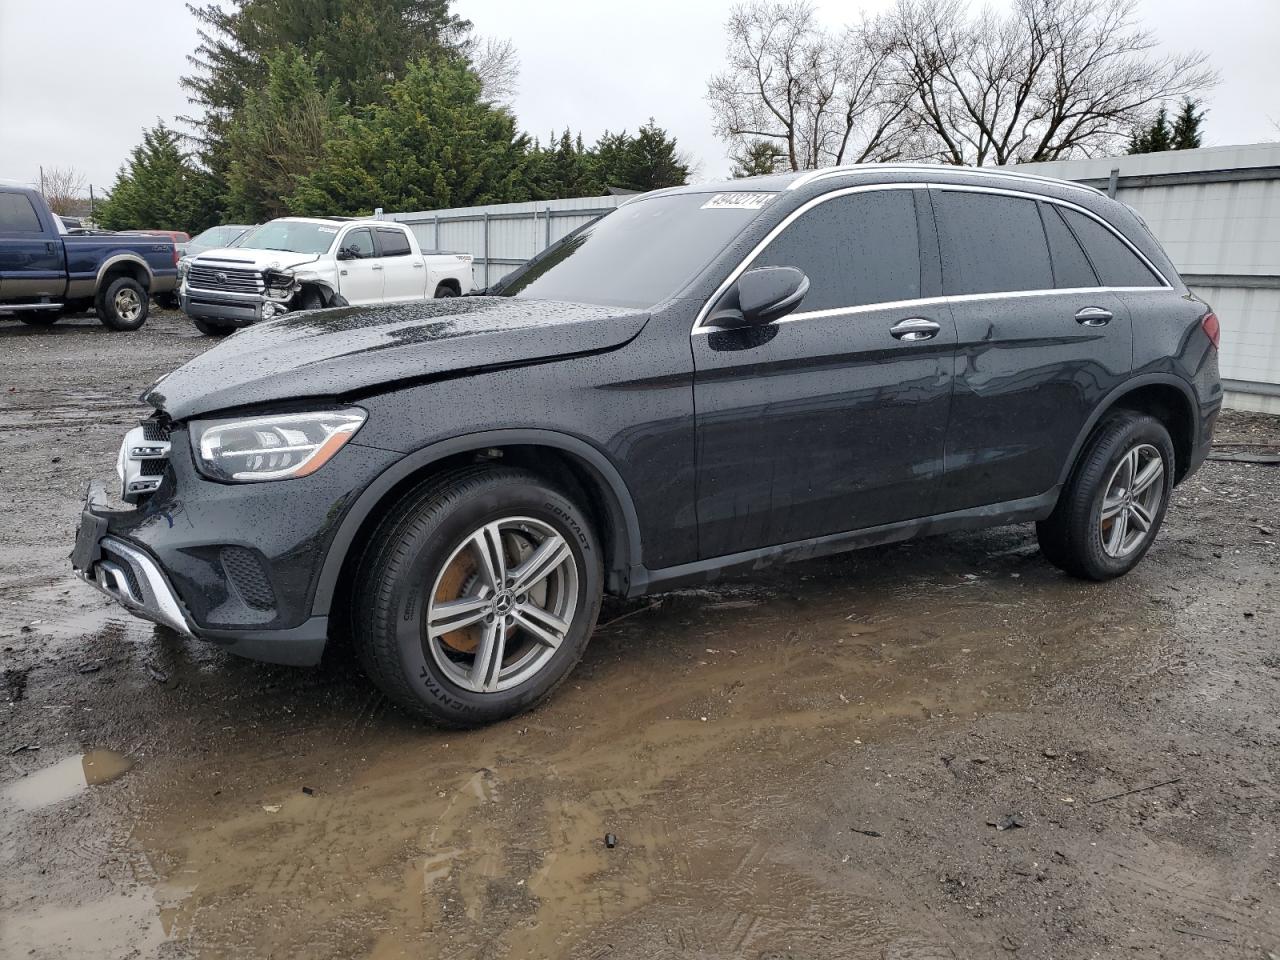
[[1166, 397], [123, 265], [452, 283], [586, 473]]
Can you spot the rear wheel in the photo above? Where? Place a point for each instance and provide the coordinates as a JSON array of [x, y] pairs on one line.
[[477, 595], [1111, 510], [445, 290], [123, 304]]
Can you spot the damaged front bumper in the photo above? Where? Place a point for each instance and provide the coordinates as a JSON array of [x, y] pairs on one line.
[[123, 572], [228, 308]]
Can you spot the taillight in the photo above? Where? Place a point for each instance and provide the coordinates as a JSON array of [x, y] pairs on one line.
[[175, 254], [1212, 328]]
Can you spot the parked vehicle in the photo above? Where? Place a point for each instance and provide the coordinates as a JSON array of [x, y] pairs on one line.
[[180, 238], [300, 263], [706, 380], [224, 235], [46, 273]]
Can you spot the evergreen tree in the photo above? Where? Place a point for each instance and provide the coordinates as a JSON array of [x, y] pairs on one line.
[[275, 138], [1155, 138], [432, 143], [650, 161], [757, 158], [159, 188], [1186, 127]]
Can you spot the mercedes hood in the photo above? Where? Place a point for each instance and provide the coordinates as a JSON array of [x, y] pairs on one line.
[[332, 353]]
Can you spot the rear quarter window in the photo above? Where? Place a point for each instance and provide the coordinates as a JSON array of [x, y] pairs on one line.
[[17, 215], [991, 243], [1115, 263], [1071, 267]]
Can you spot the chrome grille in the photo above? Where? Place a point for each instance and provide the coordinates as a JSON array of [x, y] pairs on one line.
[[228, 279]]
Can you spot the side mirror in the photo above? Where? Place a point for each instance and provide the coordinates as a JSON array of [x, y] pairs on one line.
[[762, 296], [345, 253]]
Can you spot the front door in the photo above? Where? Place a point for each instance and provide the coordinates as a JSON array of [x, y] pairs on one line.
[[833, 418], [32, 263], [360, 275], [1040, 343]]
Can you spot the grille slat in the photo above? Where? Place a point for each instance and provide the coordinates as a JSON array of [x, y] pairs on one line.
[[229, 279]]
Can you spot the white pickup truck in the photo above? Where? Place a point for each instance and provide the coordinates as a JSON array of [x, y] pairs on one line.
[[306, 263]]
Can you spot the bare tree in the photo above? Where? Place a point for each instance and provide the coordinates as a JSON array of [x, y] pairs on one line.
[[63, 188], [1048, 80], [823, 98], [497, 64]]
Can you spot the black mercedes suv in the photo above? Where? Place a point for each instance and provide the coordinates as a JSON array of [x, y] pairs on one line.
[[709, 378]]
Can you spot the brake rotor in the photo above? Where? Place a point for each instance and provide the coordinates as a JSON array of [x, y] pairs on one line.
[[458, 581]]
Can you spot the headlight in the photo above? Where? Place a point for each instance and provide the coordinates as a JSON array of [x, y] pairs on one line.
[[277, 447]]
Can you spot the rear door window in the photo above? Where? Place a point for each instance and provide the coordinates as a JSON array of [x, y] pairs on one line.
[[858, 249], [17, 215], [394, 243], [1070, 266], [1115, 263], [991, 243]]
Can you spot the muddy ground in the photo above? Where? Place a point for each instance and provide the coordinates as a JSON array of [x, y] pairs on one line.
[[803, 764]]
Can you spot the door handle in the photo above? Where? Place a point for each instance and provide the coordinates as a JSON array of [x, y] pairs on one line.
[[417, 265], [376, 266], [916, 328], [1094, 317]]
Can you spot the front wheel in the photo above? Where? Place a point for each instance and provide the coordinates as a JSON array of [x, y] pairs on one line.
[[210, 329], [1110, 511], [477, 595], [123, 305], [43, 318]]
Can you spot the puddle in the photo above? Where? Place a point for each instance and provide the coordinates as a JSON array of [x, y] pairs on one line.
[[66, 778]]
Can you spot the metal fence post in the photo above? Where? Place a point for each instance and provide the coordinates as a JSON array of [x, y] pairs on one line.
[[437, 219], [548, 213], [1114, 183], [486, 248]]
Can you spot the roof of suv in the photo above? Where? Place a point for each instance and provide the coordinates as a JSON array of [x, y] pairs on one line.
[[793, 180]]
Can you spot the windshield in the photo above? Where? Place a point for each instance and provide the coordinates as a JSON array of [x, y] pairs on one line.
[[224, 236], [292, 236], [640, 254]]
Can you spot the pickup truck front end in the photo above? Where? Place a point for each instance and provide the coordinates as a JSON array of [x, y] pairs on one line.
[[237, 292]]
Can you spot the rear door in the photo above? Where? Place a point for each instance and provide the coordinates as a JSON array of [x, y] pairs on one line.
[[32, 261], [827, 420], [360, 276], [1040, 343], [404, 274]]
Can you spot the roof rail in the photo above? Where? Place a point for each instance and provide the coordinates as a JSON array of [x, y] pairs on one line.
[[823, 172]]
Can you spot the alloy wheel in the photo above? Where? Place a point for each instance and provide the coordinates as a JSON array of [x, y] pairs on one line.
[[1132, 501], [502, 604], [128, 305]]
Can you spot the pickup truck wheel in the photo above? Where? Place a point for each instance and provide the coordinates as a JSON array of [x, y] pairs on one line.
[[1110, 511], [445, 290], [477, 595], [43, 318], [210, 329], [309, 299], [123, 305]]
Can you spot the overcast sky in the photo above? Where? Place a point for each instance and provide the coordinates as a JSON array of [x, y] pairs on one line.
[[79, 79]]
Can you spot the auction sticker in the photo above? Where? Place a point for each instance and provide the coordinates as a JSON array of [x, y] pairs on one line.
[[738, 201]]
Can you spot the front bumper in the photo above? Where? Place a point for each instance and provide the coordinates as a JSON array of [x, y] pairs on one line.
[[230, 309], [232, 564]]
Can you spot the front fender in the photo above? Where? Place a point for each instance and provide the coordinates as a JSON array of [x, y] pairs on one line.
[[622, 508]]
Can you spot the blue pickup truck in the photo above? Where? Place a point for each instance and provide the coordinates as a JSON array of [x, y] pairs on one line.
[[46, 273]]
